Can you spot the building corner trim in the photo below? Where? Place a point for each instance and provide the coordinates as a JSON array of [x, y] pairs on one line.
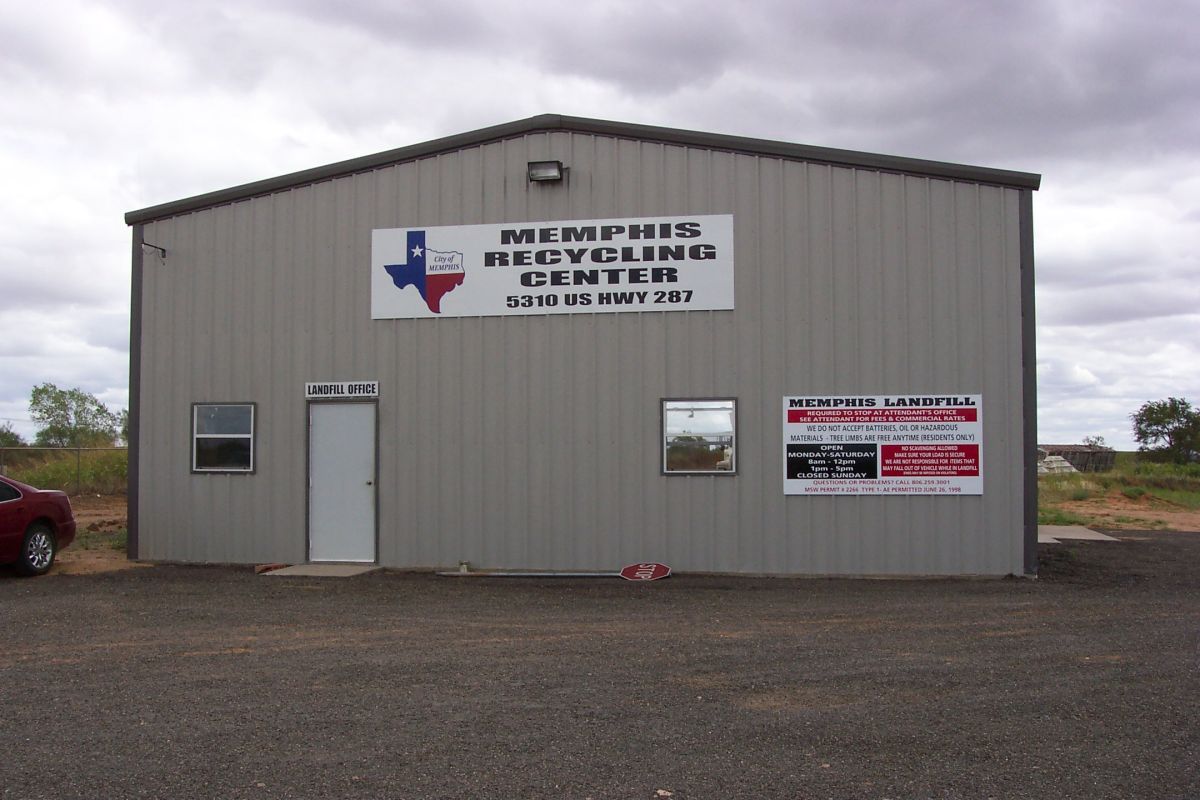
[[1029, 383], [135, 391]]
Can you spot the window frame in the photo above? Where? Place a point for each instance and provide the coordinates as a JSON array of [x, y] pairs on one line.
[[662, 438], [252, 436]]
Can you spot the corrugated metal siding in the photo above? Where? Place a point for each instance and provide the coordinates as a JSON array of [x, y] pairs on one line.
[[533, 441]]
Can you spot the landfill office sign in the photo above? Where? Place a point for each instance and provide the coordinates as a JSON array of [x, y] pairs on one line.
[[883, 444]]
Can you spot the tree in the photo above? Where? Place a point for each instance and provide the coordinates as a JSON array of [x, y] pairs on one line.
[[1168, 430], [1094, 441], [9, 437], [71, 418]]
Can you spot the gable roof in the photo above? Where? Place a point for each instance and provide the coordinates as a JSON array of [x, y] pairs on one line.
[[557, 122]]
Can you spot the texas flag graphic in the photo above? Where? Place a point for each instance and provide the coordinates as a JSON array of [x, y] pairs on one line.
[[433, 272]]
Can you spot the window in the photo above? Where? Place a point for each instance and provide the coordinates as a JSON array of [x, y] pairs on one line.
[[8, 493], [223, 437], [699, 436]]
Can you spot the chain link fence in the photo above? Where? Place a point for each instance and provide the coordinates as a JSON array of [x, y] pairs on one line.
[[74, 470]]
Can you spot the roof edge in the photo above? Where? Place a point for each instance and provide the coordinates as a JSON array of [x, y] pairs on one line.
[[553, 122]]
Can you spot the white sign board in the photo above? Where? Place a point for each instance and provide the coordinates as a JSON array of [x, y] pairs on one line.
[[341, 390], [566, 267], [883, 444]]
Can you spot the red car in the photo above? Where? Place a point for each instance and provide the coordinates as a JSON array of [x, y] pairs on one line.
[[34, 525]]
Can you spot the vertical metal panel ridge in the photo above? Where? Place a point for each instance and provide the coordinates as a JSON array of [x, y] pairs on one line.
[[265, 510], [1000, 303], [970, 517], [868, 258], [1029, 386], [772, 210], [218, 320], [135, 390], [183, 372]]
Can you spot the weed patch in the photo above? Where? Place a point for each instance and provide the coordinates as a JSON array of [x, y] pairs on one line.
[[102, 539], [1056, 516], [1158, 489], [1176, 497], [95, 472]]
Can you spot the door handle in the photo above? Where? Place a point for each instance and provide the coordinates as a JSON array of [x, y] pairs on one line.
[[370, 483]]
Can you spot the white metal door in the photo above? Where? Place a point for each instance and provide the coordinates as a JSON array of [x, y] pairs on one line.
[[341, 482]]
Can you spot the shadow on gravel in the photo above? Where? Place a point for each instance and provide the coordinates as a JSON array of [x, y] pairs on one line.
[[1163, 559]]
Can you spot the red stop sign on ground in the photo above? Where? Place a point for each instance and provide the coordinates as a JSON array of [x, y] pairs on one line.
[[645, 572]]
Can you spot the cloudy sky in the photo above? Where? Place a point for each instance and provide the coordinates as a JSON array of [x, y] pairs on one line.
[[111, 106]]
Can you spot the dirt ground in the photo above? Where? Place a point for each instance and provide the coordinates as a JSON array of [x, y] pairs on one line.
[[100, 512], [1115, 510], [101, 521]]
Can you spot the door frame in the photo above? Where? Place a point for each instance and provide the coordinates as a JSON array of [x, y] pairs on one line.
[[308, 475]]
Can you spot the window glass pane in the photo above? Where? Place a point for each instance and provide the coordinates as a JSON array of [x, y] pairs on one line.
[[685, 456], [224, 419], [698, 435], [221, 453], [8, 493]]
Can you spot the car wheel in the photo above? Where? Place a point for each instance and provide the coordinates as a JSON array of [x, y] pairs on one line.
[[38, 550]]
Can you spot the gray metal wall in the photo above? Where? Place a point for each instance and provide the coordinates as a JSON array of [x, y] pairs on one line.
[[534, 441]]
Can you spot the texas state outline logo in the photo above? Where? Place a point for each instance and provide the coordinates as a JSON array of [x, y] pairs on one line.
[[432, 272]]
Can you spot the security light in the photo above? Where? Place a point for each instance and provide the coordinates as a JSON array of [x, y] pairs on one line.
[[546, 170]]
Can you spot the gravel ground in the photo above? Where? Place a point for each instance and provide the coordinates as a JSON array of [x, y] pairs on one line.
[[199, 682]]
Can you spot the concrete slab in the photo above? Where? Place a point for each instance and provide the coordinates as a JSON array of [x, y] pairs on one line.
[[324, 570], [1053, 534]]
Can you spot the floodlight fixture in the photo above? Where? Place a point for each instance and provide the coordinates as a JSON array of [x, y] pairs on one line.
[[546, 171]]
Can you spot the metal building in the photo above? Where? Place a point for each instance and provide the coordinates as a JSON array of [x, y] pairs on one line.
[[570, 344]]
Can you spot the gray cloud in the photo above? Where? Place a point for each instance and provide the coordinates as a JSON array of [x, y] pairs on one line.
[[1100, 306], [116, 105]]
